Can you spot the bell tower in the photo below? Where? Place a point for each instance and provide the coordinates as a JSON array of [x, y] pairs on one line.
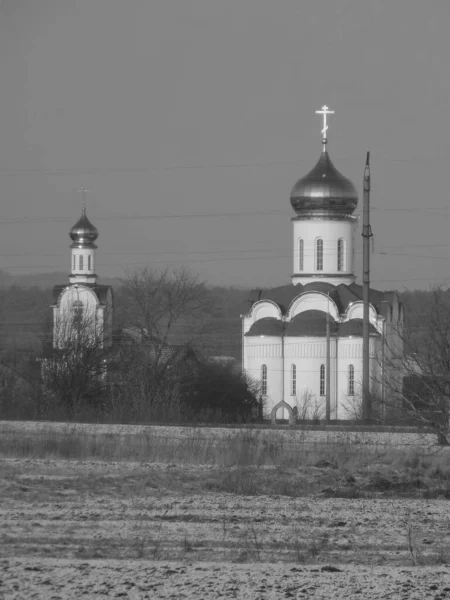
[[323, 226], [82, 261]]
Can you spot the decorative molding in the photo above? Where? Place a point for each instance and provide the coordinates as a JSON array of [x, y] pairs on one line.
[[302, 298]]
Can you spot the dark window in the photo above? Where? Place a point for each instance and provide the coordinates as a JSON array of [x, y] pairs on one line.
[[293, 380], [322, 380], [319, 255], [351, 380], [264, 380], [340, 255], [77, 312]]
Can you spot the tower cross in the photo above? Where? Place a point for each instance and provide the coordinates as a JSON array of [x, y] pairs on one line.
[[84, 192], [324, 111]]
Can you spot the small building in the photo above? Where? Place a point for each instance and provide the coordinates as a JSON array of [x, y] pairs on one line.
[[82, 309]]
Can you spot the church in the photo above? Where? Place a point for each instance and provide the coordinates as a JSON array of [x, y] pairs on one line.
[[82, 309], [292, 333]]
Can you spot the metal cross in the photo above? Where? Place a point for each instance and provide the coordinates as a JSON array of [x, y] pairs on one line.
[[324, 112], [84, 192]]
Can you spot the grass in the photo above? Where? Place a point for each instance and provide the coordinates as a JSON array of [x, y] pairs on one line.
[[274, 508], [244, 461]]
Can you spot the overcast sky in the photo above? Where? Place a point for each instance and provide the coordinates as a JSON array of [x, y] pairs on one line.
[[199, 107]]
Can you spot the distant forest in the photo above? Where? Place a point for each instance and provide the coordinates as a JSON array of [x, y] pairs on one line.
[[26, 317]]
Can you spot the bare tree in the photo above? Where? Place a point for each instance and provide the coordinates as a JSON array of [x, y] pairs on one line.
[[352, 407], [309, 407], [165, 312], [75, 373], [417, 389]]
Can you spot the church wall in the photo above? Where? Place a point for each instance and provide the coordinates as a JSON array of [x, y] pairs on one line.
[[75, 261], [330, 231], [350, 352], [308, 354], [263, 309], [313, 301], [267, 351], [356, 311], [63, 312]]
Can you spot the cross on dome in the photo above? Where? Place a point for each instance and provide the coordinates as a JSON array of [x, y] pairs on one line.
[[324, 111], [84, 192]]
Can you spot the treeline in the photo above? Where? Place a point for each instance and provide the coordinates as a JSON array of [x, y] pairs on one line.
[[173, 344]]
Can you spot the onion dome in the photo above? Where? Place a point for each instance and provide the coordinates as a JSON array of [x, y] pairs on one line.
[[324, 191], [266, 326], [310, 323], [83, 233]]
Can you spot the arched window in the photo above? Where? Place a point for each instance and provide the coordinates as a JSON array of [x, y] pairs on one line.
[[81, 262], [89, 263], [293, 380], [301, 251], [77, 312], [319, 254], [322, 380], [264, 380], [351, 380], [340, 255]]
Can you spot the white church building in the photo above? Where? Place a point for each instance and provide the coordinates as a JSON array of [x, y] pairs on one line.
[[285, 345], [82, 309]]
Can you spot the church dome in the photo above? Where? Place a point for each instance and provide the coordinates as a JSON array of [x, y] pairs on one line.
[[83, 233], [266, 326], [310, 323], [324, 191]]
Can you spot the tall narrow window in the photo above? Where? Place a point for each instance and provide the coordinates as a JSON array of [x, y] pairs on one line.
[[319, 255], [340, 255], [351, 380], [89, 262], [77, 312], [81, 262], [74, 264], [293, 380], [322, 380], [301, 249], [264, 380]]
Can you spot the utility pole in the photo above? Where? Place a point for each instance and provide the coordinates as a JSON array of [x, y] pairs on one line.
[[282, 372], [366, 234], [327, 368]]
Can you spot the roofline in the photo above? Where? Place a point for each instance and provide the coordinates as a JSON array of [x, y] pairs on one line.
[[312, 292], [249, 314]]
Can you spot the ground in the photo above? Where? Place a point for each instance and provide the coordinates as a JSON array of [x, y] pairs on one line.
[[138, 529]]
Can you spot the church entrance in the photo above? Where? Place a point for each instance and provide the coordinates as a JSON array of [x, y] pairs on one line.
[[282, 413]]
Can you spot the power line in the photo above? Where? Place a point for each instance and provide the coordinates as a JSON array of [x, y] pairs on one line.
[[61, 171], [239, 253], [199, 215]]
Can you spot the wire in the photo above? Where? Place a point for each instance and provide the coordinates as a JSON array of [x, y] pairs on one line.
[[163, 216], [144, 169]]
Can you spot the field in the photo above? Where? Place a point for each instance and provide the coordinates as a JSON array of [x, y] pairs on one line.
[[160, 512]]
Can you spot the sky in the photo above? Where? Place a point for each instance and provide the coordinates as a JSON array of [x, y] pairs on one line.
[[189, 121]]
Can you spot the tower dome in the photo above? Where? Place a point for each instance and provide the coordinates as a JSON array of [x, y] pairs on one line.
[[324, 191], [83, 233]]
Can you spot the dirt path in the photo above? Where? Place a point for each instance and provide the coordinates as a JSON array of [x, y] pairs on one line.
[[71, 529], [62, 579]]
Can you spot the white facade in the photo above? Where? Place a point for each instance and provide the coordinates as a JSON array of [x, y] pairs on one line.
[[323, 250], [280, 354], [82, 265], [80, 317]]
